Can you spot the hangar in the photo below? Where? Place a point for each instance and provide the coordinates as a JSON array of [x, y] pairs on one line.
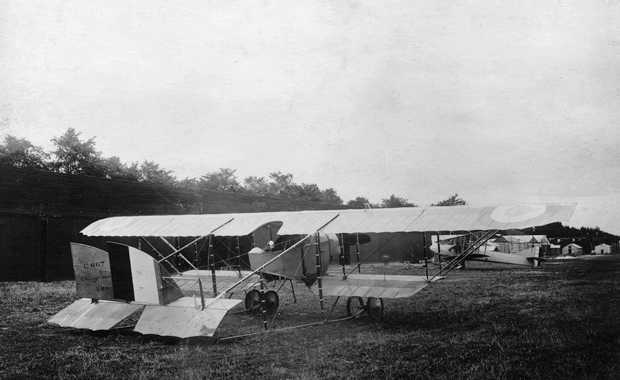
[[41, 212]]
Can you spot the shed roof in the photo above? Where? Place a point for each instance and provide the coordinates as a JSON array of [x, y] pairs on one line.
[[602, 245]]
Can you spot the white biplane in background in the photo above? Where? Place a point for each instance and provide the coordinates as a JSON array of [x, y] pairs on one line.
[[286, 247]]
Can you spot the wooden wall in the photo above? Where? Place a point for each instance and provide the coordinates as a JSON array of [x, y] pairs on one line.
[[41, 212]]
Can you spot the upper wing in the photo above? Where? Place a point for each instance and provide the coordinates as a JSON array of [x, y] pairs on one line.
[[406, 219]]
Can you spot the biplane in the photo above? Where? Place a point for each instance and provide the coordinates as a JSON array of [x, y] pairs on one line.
[[450, 247], [285, 248]]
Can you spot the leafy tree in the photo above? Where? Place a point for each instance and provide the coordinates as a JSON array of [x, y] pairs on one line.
[[453, 200], [306, 191], [280, 183], [115, 169], [359, 202], [74, 156], [133, 172], [151, 172], [394, 201], [21, 153], [256, 185], [222, 180], [190, 184], [330, 196]]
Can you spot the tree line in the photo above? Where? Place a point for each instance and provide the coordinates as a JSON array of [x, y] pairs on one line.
[[73, 155]]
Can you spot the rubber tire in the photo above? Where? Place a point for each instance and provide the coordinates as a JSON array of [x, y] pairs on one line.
[[374, 307], [252, 300], [272, 301], [355, 306]]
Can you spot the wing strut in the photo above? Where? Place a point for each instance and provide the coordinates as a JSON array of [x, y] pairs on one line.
[[289, 249], [438, 257], [319, 267], [212, 262], [175, 250], [357, 252], [238, 248], [179, 250], [159, 254], [342, 258], [486, 235]]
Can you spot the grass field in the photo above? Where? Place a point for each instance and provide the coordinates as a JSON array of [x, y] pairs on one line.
[[560, 321]]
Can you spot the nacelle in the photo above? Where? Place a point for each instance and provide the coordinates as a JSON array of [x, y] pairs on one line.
[[301, 263]]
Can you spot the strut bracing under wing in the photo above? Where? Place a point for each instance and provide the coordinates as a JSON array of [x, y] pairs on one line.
[[374, 285], [187, 282]]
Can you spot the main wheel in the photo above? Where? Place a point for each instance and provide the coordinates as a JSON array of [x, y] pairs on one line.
[[252, 300], [374, 307], [272, 301], [355, 306]]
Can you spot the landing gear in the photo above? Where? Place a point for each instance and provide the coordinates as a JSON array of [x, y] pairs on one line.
[[355, 306], [255, 299], [272, 301], [374, 307], [252, 300]]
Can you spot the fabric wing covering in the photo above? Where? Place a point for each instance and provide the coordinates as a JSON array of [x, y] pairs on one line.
[[406, 219]]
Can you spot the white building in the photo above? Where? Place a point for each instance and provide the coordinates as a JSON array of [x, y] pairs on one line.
[[602, 249], [517, 243], [572, 249]]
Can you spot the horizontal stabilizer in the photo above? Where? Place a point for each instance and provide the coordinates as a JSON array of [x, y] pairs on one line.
[[85, 314], [374, 285], [183, 319]]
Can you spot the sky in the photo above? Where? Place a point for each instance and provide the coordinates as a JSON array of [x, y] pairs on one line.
[[496, 100]]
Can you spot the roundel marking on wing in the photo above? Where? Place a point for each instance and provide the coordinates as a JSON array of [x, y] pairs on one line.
[[517, 213]]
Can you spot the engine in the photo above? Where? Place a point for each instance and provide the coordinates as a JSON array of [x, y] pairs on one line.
[[301, 262]]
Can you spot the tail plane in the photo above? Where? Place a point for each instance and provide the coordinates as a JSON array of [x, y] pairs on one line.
[[114, 284]]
